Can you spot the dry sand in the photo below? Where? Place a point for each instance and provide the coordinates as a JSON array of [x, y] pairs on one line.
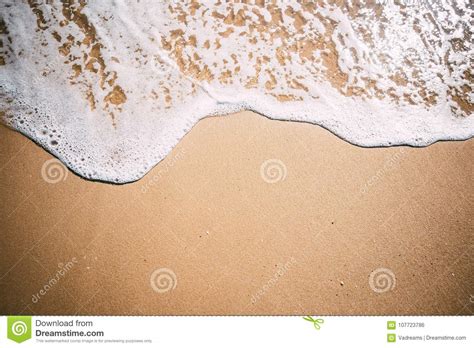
[[237, 243]]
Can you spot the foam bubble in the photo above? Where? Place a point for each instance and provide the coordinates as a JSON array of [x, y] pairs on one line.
[[110, 88]]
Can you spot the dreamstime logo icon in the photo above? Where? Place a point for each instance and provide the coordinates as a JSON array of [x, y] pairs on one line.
[[382, 280], [390, 164], [163, 280], [273, 171], [163, 171], [60, 273], [53, 171], [280, 272], [19, 328]]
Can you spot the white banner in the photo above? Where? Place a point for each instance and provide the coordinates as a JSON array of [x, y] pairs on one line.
[[288, 331]]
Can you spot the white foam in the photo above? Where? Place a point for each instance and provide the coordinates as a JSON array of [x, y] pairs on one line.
[[375, 75]]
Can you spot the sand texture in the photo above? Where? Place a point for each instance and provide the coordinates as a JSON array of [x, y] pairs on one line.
[[246, 216]]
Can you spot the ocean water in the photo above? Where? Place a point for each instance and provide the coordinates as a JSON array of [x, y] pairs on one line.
[[110, 87]]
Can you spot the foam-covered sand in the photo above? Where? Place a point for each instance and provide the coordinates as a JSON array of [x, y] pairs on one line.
[[110, 88]]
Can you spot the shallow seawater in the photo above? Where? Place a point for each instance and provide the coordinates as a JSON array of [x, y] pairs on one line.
[[111, 87]]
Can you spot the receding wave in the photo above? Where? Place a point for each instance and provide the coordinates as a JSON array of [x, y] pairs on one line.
[[110, 87]]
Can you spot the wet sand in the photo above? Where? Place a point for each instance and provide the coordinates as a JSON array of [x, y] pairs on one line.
[[306, 236]]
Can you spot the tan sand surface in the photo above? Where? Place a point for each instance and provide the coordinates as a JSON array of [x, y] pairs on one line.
[[301, 240]]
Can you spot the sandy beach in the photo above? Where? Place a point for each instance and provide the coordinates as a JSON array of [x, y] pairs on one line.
[[245, 216]]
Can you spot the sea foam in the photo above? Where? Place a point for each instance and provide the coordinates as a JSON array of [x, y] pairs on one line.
[[110, 87]]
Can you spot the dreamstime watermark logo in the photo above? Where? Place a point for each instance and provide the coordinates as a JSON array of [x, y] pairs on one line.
[[61, 272], [19, 328], [163, 280], [390, 164], [156, 177], [53, 171], [273, 171], [282, 270], [382, 280]]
